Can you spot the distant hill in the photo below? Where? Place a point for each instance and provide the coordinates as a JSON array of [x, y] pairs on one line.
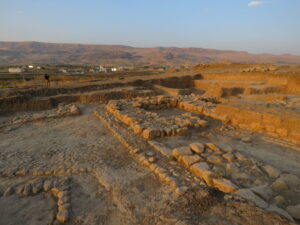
[[52, 53]]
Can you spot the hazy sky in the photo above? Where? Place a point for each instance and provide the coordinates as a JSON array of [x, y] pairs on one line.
[[271, 26]]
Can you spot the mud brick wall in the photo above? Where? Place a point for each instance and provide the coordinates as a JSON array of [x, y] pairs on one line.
[[290, 83], [279, 125]]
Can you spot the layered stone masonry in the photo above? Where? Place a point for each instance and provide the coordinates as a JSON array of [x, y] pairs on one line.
[[137, 115], [198, 157]]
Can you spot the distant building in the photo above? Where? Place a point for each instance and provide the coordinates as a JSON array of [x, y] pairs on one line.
[[76, 72], [63, 70], [113, 69], [16, 70], [102, 69], [107, 69]]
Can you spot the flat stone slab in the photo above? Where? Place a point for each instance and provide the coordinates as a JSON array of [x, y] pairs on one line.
[[249, 195], [181, 151], [203, 171], [197, 147], [225, 185], [294, 211], [189, 160], [161, 148]]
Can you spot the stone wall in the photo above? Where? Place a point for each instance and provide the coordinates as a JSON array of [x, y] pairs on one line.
[[151, 125]]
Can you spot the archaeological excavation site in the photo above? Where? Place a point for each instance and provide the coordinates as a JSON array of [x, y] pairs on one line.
[[186, 148]]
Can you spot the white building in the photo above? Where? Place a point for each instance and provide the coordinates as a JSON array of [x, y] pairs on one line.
[[102, 69], [107, 69], [15, 70]]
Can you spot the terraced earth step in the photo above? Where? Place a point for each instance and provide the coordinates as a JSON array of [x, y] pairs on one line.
[[204, 84], [228, 91]]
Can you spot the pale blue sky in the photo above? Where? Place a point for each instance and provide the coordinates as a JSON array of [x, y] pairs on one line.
[[272, 27]]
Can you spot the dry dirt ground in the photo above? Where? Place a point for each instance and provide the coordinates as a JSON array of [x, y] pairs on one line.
[[86, 164]]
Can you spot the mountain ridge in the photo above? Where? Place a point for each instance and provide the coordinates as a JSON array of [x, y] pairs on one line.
[[19, 53]]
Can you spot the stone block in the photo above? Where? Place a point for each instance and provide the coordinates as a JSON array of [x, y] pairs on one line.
[[279, 186], [197, 147], [189, 160], [151, 133], [264, 191], [291, 180], [215, 159], [203, 171], [161, 148], [275, 209], [294, 211], [249, 195], [280, 201], [214, 147], [229, 157], [181, 151], [224, 185], [271, 171]]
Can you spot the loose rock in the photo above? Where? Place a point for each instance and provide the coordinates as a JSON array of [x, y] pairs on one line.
[[271, 171], [294, 211]]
